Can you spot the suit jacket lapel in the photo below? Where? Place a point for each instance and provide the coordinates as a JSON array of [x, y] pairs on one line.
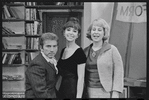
[[48, 63]]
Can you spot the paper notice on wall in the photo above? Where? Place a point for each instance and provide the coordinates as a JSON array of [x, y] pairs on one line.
[[131, 12]]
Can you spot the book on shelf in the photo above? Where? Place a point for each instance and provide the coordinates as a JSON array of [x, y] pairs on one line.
[[18, 11], [32, 29], [29, 3], [15, 46], [4, 43], [36, 43], [28, 25], [12, 77], [11, 12], [30, 56], [32, 43], [30, 14], [3, 14], [6, 30], [13, 95], [27, 58], [36, 26], [17, 59], [6, 58], [14, 27], [6, 11], [28, 43], [27, 14], [12, 58]]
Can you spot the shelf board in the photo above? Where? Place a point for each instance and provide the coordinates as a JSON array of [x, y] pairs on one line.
[[12, 35], [12, 50], [19, 35], [32, 35], [18, 50], [31, 50], [13, 92], [12, 20], [32, 21], [59, 7], [12, 4], [12, 80], [27, 6], [13, 65]]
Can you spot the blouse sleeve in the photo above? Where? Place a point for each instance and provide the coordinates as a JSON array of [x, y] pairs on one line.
[[80, 56]]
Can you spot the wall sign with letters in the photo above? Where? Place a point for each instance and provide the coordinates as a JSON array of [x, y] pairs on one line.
[[131, 12]]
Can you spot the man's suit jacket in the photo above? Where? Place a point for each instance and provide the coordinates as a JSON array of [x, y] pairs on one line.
[[110, 68], [40, 79]]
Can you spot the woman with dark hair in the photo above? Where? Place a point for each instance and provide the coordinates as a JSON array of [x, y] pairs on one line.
[[71, 63], [104, 67]]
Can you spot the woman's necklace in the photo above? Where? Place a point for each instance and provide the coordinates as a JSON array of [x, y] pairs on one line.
[[94, 53]]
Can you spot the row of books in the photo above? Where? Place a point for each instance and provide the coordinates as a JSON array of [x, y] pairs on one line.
[[32, 43], [6, 45], [12, 77], [23, 3], [17, 12], [31, 14], [45, 3], [12, 12], [11, 58], [13, 95], [30, 3], [60, 3], [33, 28], [15, 58], [7, 2]]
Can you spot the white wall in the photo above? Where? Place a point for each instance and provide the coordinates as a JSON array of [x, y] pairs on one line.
[[93, 10], [87, 19]]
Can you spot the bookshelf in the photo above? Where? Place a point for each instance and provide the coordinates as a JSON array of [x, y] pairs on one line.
[[21, 29], [20, 40]]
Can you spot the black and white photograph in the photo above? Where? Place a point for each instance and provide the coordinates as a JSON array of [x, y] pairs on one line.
[[71, 50]]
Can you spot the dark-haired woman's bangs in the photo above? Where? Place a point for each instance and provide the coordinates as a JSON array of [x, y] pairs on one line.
[[70, 24]]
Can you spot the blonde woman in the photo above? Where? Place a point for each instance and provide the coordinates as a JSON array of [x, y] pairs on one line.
[[104, 66]]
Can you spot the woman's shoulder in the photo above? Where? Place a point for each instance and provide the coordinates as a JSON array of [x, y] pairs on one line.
[[86, 49], [113, 46], [79, 50]]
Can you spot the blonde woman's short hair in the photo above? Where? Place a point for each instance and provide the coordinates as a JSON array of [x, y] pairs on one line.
[[102, 23]]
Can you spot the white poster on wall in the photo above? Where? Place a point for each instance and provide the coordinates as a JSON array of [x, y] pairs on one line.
[[131, 12]]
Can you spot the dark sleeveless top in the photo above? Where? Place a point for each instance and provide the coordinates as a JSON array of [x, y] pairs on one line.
[[91, 73], [68, 70]]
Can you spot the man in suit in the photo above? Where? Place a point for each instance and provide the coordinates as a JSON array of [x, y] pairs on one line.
[[41, 74]]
